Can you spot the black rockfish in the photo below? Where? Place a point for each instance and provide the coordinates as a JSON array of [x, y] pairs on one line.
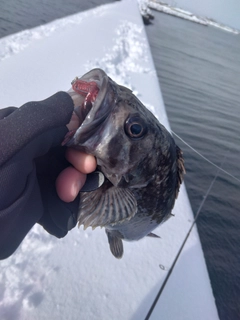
[[142, 165]]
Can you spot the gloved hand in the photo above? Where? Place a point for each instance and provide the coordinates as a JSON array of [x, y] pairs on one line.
[[31, 158]]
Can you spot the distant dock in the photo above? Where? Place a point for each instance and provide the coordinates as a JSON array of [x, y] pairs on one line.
[[166, 8]]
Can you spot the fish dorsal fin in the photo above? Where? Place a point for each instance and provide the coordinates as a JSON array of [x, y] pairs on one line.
[[115, 244], [180, 168], [106, 206]]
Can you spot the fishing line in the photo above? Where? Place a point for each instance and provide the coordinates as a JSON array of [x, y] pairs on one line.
[[202, 156], [184, 242]]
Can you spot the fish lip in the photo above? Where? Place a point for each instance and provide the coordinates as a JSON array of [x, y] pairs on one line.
[[94, 116]]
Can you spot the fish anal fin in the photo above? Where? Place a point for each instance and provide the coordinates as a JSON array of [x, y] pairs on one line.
[[115, 243], [153, 235]]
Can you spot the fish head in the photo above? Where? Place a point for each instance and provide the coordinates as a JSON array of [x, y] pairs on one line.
[[121, 133]]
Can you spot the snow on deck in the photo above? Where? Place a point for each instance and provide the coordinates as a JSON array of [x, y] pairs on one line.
[[77, 277]]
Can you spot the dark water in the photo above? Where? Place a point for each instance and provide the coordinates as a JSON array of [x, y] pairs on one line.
[[199, 73], [23, 14]]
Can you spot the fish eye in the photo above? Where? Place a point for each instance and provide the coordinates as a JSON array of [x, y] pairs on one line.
[[135, 127]]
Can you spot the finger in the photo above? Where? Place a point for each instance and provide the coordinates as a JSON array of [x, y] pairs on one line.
[[68, 183], [83, 162], [74, 122]]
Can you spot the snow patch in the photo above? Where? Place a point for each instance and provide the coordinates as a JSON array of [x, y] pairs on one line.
[[16, 43]]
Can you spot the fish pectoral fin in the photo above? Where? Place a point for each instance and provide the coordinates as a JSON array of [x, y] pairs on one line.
[[153, 235], [104, 206], [115, 243]]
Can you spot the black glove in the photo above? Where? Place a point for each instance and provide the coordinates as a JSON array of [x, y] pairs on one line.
[[31, 157]]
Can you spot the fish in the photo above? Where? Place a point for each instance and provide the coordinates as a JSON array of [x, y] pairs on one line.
[[143, 167]]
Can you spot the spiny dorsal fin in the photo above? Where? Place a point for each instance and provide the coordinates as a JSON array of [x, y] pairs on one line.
[[180, 168]]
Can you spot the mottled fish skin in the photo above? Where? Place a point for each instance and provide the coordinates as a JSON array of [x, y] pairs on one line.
[[142, 165]]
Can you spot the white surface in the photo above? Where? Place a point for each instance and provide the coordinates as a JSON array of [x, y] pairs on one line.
[[77, 277]]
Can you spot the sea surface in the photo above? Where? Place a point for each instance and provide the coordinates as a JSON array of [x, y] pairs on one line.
[[199, 73]]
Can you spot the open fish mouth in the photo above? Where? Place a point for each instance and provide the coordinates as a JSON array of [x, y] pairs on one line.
[[95, 96]]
